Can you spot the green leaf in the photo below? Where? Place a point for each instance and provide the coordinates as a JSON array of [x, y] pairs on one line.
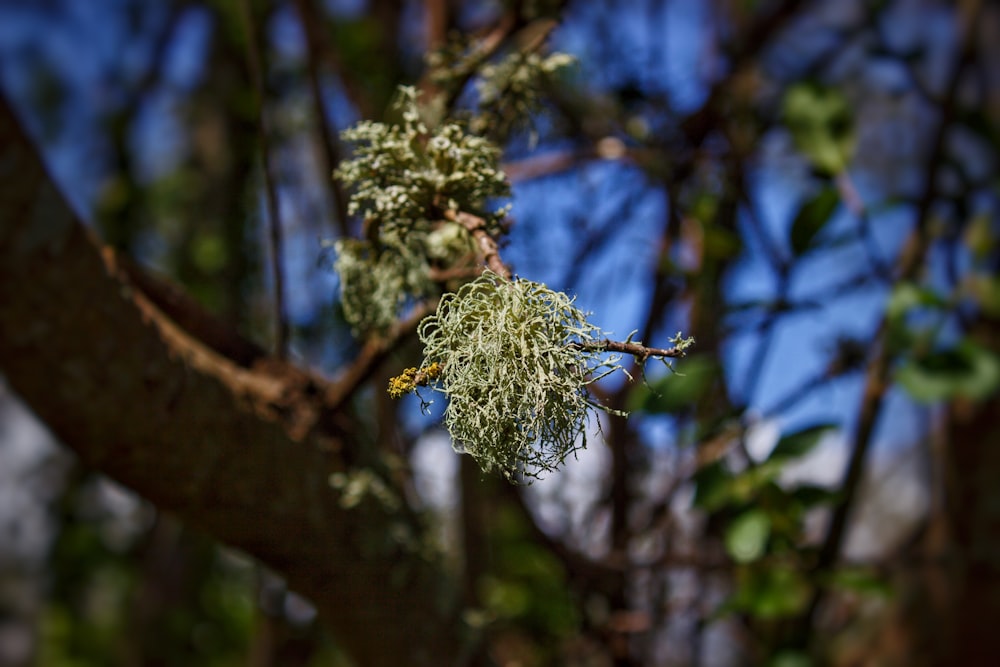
[[747, 534], [774, 592], [969, 370], [749, 483], [980, 237], [209, 253], [819, 119], [811, 218], [790, 658], [679, 390], [800, 443], [720, 243], [712, 487], [506, 599], [811, 495], [860, 580], [907, 296]]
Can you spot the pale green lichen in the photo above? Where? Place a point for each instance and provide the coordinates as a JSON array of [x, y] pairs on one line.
[[375, 282], [403, 177], [357, 485], [515, 381], [401, 172]]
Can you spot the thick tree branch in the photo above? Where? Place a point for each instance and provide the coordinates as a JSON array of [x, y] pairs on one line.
[[222, 446]]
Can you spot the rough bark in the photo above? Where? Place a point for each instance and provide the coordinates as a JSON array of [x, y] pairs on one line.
[[244, 452]]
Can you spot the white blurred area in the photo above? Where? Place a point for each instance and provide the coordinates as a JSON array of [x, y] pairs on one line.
[[30, 471], [33, 477]]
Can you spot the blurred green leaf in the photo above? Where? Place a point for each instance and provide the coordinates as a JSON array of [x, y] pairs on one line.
[[712, 486], [721, 243], [810, 495], [984, 289], [799, 443], [819, 118], [679, 390], [980, 237], [208, 252], [527, 582], [747, 484], [860, 580], [811, 218], [717, 487], [747, 534], [968, 370], [506, 599], [772, 592], [907, 296], [790, 659]]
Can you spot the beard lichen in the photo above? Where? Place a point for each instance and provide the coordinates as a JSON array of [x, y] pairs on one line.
[[509, 358]]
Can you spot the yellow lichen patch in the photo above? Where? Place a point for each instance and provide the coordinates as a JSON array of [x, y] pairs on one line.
[[403, 383]]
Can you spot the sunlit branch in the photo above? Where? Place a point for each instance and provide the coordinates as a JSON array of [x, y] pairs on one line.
[[486, 244], [372, 355]]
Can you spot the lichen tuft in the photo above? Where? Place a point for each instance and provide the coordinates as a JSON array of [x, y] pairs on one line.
[[516, 385]]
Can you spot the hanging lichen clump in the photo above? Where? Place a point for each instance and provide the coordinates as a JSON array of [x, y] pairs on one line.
[[515, 365]]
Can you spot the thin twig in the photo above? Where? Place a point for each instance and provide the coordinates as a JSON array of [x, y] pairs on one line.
[[315, 46], [852, 200], [637, 350], [491, 257], [254, 62], [424, 376]]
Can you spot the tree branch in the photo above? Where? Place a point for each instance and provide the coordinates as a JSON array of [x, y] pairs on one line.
[[222, 446], [486, 244], [638, 350]]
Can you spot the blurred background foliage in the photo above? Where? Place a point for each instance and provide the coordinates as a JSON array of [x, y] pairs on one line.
[[808, 188]]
